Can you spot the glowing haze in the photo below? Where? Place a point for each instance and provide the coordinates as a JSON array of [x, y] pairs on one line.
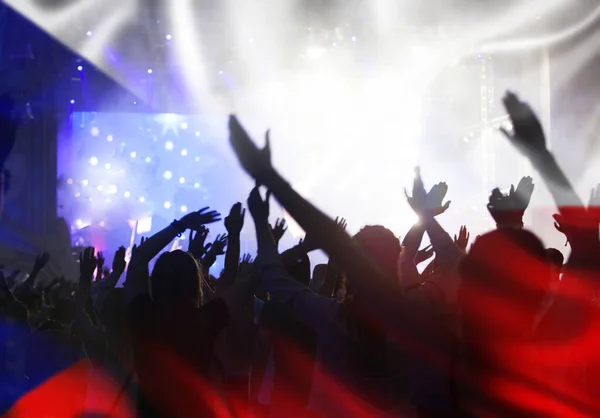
[[333, 108]]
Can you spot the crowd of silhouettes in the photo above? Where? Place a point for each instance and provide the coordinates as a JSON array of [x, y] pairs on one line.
[[493, 325]]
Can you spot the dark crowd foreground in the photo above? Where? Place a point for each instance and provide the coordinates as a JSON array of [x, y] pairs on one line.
[[500, 327]]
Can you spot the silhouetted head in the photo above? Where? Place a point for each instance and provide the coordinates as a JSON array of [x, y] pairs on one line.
[[382, 245], [176, 278], [505, 278]]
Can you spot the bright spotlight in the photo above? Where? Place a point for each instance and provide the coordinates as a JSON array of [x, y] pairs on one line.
[[126, 194], [196, 185], [168, 145], [133, 154], [142, 199], [95, 131], [109, 138], [148, 159], [94, 161], [99, 187], [149, 70], [314, 52], [84, 182], [107, 166], [80, 68], [112, 189], [169, 37], [168, 175], [144, 225], [170, 117], [167, 205], [183, 208], [184, 152], [69, 181], [181, 180], [184, 125], [79, 223]]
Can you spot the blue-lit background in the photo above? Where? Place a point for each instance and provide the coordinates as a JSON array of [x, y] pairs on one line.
[[116, 169]]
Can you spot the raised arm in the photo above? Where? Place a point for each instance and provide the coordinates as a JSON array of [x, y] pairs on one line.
[[25, 292], [137, 272], [234, 224], [528, 137], [101, 288], [311, 308], [427, 206], [379, 290], [214, 250]]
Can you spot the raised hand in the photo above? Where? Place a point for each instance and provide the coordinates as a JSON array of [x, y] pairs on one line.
[[87, 263], [423, 255], [522, 196], [235, 221], [279, 229], [309, 244], [247, 259], [462, 240], [135, 246], [119, 263], [341, 222], [196, 244], [100, 260], [508, 210], [528, 135], [219, 244], [259, 208], [427, 204], [256, 161], [195, 220]]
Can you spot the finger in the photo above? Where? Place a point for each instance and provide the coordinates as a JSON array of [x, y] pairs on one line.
[[447, 204], [267, 147], [496, 193]]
